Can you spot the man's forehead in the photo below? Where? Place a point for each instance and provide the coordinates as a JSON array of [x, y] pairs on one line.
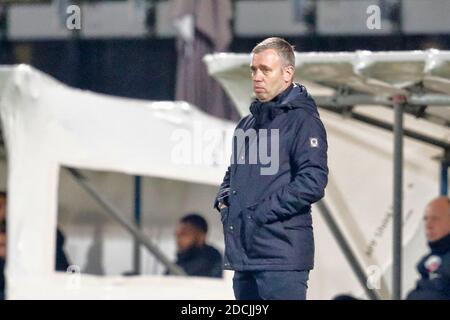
[[186, 227], [266, 57]]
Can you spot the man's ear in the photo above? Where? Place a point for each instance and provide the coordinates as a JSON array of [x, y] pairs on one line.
[[289, 73]]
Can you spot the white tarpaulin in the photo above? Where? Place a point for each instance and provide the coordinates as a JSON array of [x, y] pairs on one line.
[[47, 125]]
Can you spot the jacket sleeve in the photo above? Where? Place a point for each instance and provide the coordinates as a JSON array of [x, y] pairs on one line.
[[309, 161], [224, 191]]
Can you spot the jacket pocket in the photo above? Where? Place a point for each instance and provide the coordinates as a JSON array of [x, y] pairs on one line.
[[298, 221], [249, 229], [268, 241]]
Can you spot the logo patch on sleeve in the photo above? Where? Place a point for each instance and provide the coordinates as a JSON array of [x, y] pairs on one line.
[[433, 263], [314, 142]]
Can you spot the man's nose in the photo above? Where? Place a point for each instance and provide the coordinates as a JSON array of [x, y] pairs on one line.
[[257, 76]]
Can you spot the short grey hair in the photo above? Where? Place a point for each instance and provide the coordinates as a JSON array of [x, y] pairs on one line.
[[284, 49]]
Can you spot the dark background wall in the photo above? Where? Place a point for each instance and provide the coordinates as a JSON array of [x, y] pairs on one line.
[[146, 68]]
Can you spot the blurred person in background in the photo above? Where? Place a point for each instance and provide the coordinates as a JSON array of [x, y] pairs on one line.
[[202, 27], [434, 268], [61, 263], [194, 256]]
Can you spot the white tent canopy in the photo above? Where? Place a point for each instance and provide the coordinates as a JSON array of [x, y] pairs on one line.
[[47, 125]]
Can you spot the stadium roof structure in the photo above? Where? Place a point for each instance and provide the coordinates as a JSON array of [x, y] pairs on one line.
[[409, 82], [361, 77]]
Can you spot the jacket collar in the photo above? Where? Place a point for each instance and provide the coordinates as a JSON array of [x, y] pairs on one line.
[[267, 111], [440, 246], [282, 97]]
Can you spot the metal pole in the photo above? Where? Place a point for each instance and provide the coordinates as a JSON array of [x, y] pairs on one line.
[[430, 99], [398, 202], [387, 126], [407, 133], [338, 101], [444, 178], [115, 213], [137, 219], [346, 249]]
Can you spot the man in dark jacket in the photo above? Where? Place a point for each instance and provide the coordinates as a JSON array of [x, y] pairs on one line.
[[194, 256], [278, 169], [434, 268]]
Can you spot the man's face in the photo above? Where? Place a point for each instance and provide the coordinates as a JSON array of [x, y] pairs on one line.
[[437, 219], [187, 236], [2, 208], [269, 76]]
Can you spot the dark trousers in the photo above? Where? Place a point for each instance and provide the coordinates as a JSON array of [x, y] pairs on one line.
[[270, 285]]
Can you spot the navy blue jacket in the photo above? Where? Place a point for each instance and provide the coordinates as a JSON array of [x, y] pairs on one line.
[[434, 269], [268, 223]]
